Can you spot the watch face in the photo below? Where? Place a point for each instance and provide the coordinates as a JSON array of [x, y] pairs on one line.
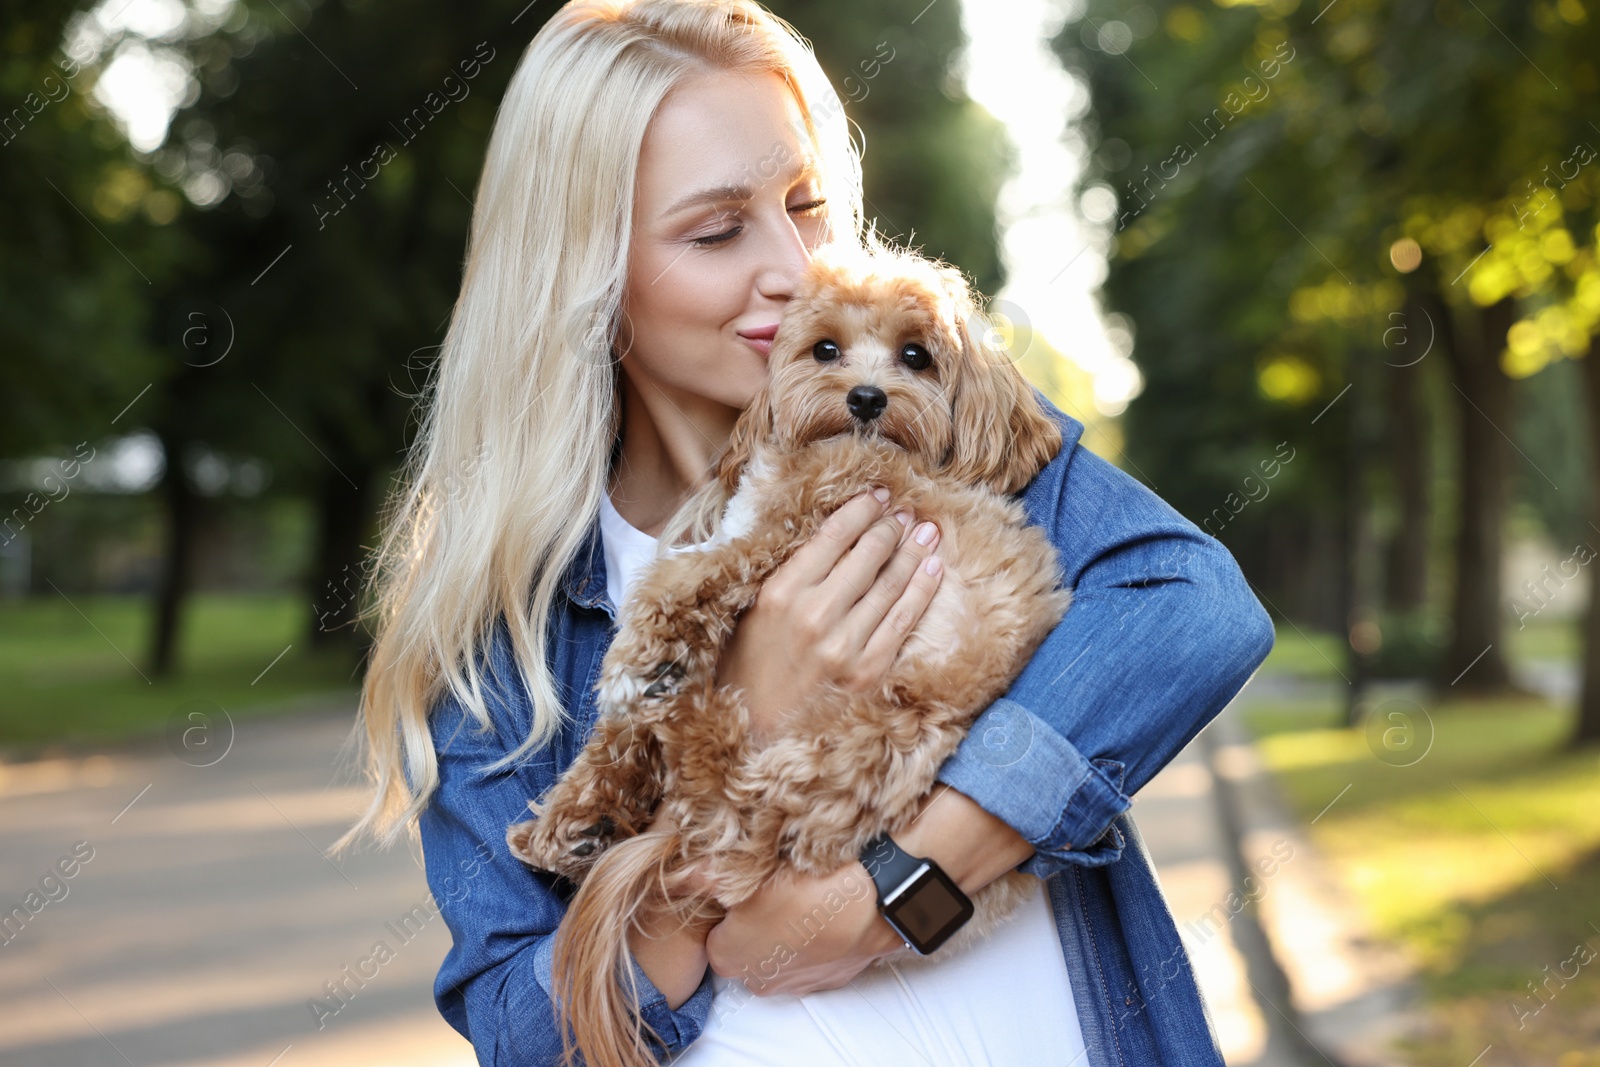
[[929, 911]]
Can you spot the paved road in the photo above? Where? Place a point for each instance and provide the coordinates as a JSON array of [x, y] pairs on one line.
[[207, 919]]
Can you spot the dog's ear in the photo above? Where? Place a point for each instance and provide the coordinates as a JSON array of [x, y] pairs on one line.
[[1002, 436], [754, 425]]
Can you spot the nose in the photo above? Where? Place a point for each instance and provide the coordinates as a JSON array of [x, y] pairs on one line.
[[785, 261], [866, 402]]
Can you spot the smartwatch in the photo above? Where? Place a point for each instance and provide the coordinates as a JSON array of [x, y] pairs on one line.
[[915, 896]]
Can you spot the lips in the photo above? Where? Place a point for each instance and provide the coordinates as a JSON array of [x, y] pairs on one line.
[[760, 338]]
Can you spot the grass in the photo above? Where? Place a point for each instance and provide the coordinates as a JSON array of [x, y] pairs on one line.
[[1308, 654], [1316, 654], [66, 674], [1545, 639], [1482, 858]]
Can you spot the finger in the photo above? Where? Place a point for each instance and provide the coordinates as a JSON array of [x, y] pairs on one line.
[[853, 576], [901, 619], [727, 949], [866, 616], [814, 561]]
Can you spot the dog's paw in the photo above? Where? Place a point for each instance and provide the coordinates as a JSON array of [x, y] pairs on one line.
[[555, 845], [628, 684], [521, 840], [595, 837], [665, 681]]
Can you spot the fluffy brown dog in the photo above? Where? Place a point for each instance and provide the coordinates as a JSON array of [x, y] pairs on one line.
[[880, 374]]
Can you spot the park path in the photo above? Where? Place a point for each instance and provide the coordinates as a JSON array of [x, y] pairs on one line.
[[206, 920], [1284, 960]]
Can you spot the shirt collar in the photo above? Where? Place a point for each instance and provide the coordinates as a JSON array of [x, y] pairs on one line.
[[585, 581]]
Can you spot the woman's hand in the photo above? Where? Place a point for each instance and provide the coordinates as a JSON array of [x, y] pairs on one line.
[[833, 612], [952, 829], [672, 952], [841, 943]]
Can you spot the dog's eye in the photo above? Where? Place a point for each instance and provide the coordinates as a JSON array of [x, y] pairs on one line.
[[825, 351], [915, 356]]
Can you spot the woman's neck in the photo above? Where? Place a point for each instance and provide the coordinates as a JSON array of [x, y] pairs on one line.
[[669, 439]]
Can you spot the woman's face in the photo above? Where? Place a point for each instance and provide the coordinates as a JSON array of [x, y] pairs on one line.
[[725, 218]]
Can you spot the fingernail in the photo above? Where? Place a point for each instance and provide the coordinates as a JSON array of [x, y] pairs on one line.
[[931, 565], [926, 533], [882, 495], [904, 517]]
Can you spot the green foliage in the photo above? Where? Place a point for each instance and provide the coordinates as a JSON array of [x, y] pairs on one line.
[[77, 273], [1200, 263], [1549, 474], [1412, 646], [1268, 158]]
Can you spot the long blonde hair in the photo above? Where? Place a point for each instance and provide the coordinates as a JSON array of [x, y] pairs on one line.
[[505, 476]]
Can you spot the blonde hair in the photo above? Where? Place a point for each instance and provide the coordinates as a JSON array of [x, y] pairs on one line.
[[505, 476]]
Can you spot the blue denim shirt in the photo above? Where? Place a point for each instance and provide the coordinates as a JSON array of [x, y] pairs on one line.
[[1162, 632]]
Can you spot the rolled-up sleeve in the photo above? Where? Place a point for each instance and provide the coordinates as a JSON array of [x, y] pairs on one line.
[[495, 984], [1162, 632]]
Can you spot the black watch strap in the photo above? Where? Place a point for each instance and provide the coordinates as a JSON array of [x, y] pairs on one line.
[[888, 864]]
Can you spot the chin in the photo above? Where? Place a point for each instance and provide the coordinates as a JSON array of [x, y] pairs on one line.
[[750, 386]]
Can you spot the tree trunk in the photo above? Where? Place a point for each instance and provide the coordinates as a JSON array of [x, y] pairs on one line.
[[182, 505], [336, 574], [1357, 610], [1588, 728], [1406, 577], [1476, 659]]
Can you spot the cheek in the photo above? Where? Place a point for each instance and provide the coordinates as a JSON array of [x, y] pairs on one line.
[[684, 292]]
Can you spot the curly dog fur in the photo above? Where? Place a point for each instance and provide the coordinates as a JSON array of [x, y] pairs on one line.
[[958, 434]]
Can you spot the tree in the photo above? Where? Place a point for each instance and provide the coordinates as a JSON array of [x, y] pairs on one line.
[[1277, 234], [82, 255]]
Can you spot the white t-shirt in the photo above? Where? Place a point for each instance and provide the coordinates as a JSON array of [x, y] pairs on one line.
[[1002, 1002]]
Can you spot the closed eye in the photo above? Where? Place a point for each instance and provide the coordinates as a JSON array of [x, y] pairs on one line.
[[728, 235]]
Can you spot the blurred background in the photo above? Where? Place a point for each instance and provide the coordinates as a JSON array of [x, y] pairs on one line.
[[1322, 274]]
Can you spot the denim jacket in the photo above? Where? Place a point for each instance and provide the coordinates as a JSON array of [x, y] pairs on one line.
[[1162, 632]]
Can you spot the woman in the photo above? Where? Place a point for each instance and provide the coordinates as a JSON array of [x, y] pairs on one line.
[[657, 178]]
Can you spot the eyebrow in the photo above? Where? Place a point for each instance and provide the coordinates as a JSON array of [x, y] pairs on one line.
[[807, 167]]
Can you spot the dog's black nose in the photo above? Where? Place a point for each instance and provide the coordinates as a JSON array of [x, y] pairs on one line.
[[866, 402]]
